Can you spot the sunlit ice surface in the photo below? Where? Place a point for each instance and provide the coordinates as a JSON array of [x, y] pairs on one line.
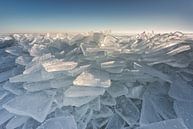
[[96, 80]]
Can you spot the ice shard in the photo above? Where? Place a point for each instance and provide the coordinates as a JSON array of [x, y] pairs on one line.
[[22, 105], [168, 124], [93, 78], [131, 114], [67, 122]]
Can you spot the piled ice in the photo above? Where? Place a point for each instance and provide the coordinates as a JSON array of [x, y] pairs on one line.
[[96, 81]]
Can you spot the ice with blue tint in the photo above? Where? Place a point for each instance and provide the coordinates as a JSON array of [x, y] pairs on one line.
[[65, 122], [167, 124], [96, 81]]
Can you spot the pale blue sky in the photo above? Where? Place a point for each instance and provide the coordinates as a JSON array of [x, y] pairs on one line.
[[87, 15]]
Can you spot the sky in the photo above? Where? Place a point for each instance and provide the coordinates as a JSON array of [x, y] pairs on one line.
[[34, 16]]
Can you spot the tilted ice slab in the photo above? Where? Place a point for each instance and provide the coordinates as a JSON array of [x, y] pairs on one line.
[[169, 124], [93, 78], [35, 105], [57, 65], [67, 122]]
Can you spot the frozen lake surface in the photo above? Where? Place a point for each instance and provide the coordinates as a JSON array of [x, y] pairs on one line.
[[96, 81]]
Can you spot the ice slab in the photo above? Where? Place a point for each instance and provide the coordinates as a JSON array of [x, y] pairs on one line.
[[3, 94], [148, 112], [168, 124], [80, 112], [7, 98], [67, 122], [117, 89], [63, 82], [5, 116], [75, 91], [93, 78], [181, 90], [58, 65], [23, 60], [77, 101], [136, 92], [152, 72], [34, 77], [127, 110], [113, 66], [14, 50], [107, 99], [115, 122], [16, 121], [83, 122], [184, 110], [95, 104], [103, 113], [15, 88], [22, 105]]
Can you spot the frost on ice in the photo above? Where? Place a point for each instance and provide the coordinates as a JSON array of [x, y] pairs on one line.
[[96, 81]]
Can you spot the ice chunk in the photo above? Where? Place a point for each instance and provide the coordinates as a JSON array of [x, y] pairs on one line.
[[14, 50], [32, 68], [94, 78], [80, 111], [15, 88], [168, 124], [179, 50], [23, 60], [34, 77], [83, 122], [95, 104], [99, 123], [7, 62], [78, 70], [77, 101], [117, 63], [92, 52], [127, 110], [184, 110], [5, 116], [31, 124], [117, 89], [163, 106], [58, 65], [115, 122], [103, 113], [65, 122], [16, 121], [113, 66], [153, 72], [38, 50], [148, 113], [132, 76], [22, 105], [181, 90], [6, 42], [75, 91], [37, 86], [4, 76], [63, 82], [107, 99], [109, 41], [65, 111], [7, 98], [136, 92], [156, 105], [76, 39], [3, 94]]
